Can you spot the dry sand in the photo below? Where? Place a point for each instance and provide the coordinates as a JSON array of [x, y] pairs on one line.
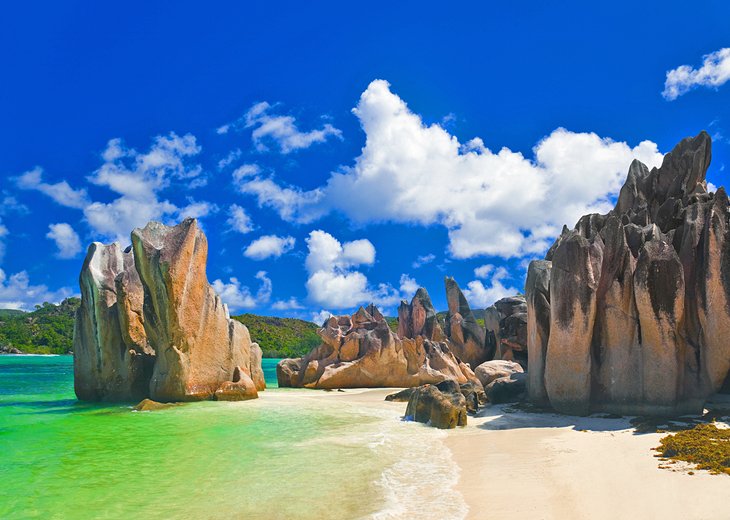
[[543, 466]]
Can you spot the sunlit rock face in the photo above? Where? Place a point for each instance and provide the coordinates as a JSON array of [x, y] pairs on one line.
[[151, 326], [360, 351], [112, 359], [466, 337], [629, 312]]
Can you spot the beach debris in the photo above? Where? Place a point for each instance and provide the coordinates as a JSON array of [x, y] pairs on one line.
[[630, 311], [441, 405], [706, 446], [150, 325]]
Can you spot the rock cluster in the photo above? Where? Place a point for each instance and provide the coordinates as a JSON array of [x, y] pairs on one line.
[[506, 329], [629, 312], [360, 351], [466, 336], [151, 326]]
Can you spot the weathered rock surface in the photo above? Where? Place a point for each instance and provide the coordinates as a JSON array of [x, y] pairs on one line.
[[506, 324], [507, 389], [629, 313], [112, 358], [466, 336], [441, 405], [148, 405], [150, 325], [360, 351], [491, 370], [419, 318]]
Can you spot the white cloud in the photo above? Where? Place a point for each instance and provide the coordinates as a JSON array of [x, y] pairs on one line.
[[232, 157], [61, 192], [714, 72], [320, 317], [16, 292], [287, 305], [239, 220], [238, 296], [197, 209], [269, 246], [483, 271], [408, 286], [280, 130], [245, 170], [66, 239], [711, 187], [423, 260], [3, 233], [500, 204], [480, 296]]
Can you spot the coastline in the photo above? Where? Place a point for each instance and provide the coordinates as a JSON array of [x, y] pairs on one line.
[[544, 465]]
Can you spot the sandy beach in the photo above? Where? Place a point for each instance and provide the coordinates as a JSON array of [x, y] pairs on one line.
[[544, 466]]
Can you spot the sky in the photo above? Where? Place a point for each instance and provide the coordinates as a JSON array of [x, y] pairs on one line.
[[338, 154]]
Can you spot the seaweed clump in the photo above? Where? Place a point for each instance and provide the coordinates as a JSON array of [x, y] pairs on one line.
[[705, 445]]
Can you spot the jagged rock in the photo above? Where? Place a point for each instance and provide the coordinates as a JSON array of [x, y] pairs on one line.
[[638, 298], [466, 336], [506, 329], [441, 405], [148, 405], [400, 397], [491, 370], [240, 388], [474, 394], [7, 349], [112, 357], [507, 389], [360, 351], [198, 346], [151, 326], [419, 318]]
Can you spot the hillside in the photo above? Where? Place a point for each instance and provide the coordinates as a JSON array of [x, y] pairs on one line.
[[281, 337], [46, 330]]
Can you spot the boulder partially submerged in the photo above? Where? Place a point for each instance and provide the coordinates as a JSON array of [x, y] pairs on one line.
[[151, 326], [442, 405], [630, 311], [360, 351]]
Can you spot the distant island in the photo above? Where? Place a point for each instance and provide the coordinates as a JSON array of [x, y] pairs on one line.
[[49, 330]]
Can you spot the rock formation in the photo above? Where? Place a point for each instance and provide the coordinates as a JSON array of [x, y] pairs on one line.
[[441, 405], [419, 318], [151, 326], [112, 358], [506, 328], [361, 351], [466, 336], [491, 370], [629, 313]]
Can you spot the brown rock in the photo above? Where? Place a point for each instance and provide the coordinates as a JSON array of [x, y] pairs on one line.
[[467, 337], [491, 370], [241, 388], [442, 406]]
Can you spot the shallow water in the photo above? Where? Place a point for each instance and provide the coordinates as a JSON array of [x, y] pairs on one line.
[[289, 454]]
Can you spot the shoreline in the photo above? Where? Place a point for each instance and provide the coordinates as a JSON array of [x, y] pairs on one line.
[[545, 465]]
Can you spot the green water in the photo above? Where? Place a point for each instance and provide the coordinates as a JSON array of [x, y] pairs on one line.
[[290, 454]]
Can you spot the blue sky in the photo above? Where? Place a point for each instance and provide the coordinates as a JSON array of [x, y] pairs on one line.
[[338, 154]]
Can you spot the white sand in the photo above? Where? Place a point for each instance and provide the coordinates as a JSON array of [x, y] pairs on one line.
[[543, 466]]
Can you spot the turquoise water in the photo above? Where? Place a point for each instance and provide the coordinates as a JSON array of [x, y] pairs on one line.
[[290, 454]]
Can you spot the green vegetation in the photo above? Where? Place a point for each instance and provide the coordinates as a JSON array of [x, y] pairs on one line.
[[281, 337], [705, 445], [46, 330]]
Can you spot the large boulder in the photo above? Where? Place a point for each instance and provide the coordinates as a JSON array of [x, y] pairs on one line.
[[506, 328], [360, 351], [113, 360], [507, 389], [466, 336], [442, 405], [629, 313], [151, 326], [491, 370]]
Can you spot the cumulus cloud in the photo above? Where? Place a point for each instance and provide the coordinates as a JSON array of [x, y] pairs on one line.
[[481, 296], [320, 317], [138, 180], [61, 192], [66, 239], [714, 72], [333, 279], [483, 270], [269, 246], [3, 234], [238, 220], [279, 130], [408, 286], [238, 296], [287, 305], [16, 292], [492, 203], [423, 260]]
